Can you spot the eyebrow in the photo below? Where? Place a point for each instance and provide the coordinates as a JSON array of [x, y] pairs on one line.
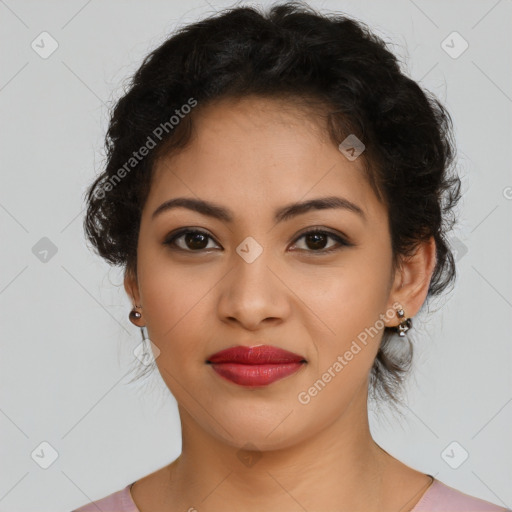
[[282, 214]]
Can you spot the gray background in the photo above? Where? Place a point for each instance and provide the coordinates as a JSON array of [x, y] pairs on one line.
[[66, 341]]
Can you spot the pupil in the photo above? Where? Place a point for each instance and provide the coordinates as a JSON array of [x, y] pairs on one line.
[[316, 237], [194, 240]]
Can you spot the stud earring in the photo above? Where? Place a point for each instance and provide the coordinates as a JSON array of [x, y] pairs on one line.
[[405, 323], [135, 315]]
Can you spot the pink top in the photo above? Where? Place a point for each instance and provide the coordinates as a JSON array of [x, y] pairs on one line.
[[438, 497]]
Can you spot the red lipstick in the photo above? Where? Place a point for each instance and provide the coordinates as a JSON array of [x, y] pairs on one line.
[[255, 366]]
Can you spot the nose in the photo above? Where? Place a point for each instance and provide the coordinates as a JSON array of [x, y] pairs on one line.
[[253, 294]]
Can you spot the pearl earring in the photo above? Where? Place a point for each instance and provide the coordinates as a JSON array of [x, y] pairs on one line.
[[135, 315]]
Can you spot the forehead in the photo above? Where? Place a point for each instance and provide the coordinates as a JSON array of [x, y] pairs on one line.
[[260, 151]]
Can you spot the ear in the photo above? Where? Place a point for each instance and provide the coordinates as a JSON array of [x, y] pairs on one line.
[[412, 280], [131, 285]]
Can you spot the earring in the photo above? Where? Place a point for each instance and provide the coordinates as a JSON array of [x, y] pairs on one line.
[[405, 323], [135, 315], [142, 352]]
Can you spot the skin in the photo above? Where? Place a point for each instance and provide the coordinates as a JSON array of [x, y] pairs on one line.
[[253, 156]]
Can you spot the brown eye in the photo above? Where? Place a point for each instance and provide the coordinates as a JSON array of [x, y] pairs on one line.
[[316, 240], [190, 240], [196, 240]]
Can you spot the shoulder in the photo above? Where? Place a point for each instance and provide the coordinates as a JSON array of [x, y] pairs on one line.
[[443, 498], [120, 501]]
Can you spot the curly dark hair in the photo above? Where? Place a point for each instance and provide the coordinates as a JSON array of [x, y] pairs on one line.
[[330, 63]]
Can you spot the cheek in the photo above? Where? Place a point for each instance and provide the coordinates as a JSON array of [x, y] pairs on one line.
[[346, 298], [174, 302], [351, 308], [349, 304]]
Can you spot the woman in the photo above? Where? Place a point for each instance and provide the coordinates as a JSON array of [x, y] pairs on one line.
[[279, 194]]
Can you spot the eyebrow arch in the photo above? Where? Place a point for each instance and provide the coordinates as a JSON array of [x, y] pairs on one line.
[[282, 214]]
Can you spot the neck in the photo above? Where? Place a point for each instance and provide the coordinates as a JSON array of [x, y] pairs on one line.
[[338, 468]]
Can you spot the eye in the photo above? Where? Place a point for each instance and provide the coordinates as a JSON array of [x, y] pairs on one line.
[[316, 239], [192, 240]]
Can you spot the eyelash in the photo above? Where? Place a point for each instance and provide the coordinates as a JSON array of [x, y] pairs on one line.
[[342, 242]]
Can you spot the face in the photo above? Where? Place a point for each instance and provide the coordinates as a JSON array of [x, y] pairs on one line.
[[256, 279]]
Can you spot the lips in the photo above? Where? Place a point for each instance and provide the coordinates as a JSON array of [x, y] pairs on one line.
[[259, 354], [255, 366]]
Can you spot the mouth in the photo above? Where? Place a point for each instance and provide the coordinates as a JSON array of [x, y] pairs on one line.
[[255, 366]]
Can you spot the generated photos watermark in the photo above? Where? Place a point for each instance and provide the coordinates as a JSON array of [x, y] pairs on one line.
[[137, 156], [341, 361]]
